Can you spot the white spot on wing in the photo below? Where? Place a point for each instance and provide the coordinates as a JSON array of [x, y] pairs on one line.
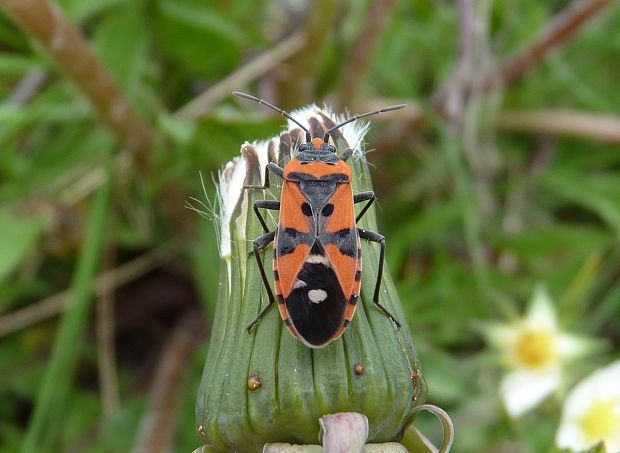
[[317, 295], [318, 259], [299, 284]]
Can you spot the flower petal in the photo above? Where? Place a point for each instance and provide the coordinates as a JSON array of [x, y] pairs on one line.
[[573, 346], [500, 336], [600, 386], [522, 390], [541, 312]]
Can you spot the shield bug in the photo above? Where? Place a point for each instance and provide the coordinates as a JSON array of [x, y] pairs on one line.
[[317, 263]]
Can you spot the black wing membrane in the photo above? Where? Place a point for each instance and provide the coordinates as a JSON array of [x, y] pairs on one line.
[[317, 319]]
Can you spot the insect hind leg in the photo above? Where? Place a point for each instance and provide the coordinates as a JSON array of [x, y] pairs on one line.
[[265, 204], [380, 239], [363, 196], [259, 244]]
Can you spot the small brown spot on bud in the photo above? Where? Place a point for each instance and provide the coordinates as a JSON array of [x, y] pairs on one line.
[[415, 379], [254, 382], [358, 368]]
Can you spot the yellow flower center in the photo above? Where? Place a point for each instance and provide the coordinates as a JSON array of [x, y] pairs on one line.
[[535, 349], [600, 422]]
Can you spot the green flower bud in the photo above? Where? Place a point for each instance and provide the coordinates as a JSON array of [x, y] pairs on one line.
[[268, 387]]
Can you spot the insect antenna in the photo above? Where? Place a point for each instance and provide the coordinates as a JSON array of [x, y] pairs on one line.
[[277, 109], [363, 115]]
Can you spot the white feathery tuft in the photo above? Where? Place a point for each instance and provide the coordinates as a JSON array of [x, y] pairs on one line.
[[353, 132], [229, 188]]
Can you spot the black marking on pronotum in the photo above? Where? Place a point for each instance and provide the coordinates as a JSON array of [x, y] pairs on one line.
[[358, 276], [353, 299], [276, 276], [346, 323], [297, 176], [306, 209], [280, 299], [327, 210], [288, 322]]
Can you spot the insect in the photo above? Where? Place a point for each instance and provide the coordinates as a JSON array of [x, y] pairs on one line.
[[317, 262]]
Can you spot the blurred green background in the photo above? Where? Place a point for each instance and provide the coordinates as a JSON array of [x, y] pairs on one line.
[[486, 188]]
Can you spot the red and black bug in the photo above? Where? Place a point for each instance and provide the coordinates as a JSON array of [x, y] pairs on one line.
[[317, 262]]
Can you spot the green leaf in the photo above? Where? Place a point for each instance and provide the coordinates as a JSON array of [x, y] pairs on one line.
[[198, 39], [18, 236], [50, 406], [122, 45], [599, 194]]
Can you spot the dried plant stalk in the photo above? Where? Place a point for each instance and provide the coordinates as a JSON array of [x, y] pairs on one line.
[[43, 21]]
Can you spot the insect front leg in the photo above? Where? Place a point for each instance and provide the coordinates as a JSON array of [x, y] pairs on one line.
[[363, 196], [275, 169], [265, 204], [347, 154], [380, 239], [259, 244]]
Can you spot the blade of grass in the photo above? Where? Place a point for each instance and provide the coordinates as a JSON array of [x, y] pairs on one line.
[[47, 418], [465, 197]]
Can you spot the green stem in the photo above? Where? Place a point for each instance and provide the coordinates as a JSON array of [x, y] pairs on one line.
[[467, 202], [47, 419]]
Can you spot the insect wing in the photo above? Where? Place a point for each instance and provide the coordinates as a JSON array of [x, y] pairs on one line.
[[340, 239], [293, 240]]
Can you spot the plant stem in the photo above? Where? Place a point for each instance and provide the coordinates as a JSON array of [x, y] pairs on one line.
[[157, 425], [241, 77], [105, 282], [46, 421], [297, 87], [560, 122], [561, 28], [362, 53], [43, 21]]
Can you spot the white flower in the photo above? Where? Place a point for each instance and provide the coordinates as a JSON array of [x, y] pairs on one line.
[[592, 412], [533, 350]]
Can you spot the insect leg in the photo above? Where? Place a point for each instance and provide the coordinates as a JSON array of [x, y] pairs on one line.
[[275, 169], [380, 239], [363, 196], [259, 244], [346, 155], [265, 204]]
